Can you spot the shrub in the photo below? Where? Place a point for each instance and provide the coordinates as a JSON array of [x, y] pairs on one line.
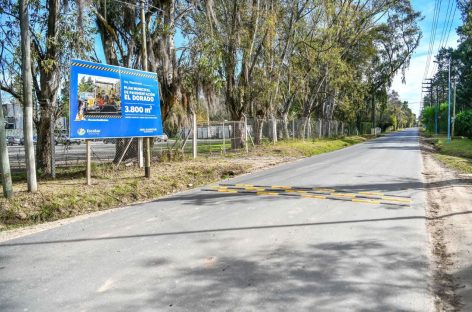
[[463, 124]]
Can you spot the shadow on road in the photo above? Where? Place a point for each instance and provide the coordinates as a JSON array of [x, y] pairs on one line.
[[247, 228], [319, 277]]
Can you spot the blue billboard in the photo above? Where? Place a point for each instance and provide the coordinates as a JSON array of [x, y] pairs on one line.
[[113, 102]]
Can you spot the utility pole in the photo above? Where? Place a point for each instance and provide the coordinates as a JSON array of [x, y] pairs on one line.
[[436, 111], [429, 88], [454, 110], [449, 104], [4, 160], [27, 97], [147, 141]]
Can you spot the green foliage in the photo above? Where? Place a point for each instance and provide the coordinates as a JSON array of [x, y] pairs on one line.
[[429, 115], [463, 124]]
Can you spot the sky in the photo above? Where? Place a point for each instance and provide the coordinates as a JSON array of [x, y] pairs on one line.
[[411, 90]]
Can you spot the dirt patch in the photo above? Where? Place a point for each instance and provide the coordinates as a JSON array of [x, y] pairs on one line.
[[449, 212]]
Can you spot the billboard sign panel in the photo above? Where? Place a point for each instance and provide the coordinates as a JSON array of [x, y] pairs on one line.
[[113, 102]]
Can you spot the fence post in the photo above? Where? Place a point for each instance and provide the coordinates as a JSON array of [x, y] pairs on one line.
[[89, 163], [224, 142], [245, 134], [320, 134], [194, 138], [293, 129]]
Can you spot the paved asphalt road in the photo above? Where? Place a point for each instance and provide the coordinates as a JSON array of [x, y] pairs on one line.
[[211, 251]]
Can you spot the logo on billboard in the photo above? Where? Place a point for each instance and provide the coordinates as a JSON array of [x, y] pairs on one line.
[[81, 131]]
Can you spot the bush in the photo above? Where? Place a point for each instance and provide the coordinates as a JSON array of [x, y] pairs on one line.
[[428, 116], [463, 125]]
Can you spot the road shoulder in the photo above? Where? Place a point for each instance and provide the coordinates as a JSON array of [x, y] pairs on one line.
[[449, 213]]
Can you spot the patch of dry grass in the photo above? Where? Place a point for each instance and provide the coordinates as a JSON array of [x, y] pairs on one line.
[[62, 198]]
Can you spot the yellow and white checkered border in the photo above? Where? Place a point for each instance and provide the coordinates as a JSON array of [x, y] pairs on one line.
[[117, 70]]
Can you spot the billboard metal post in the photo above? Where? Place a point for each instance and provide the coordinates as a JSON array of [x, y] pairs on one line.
[[140, 153], [89, 163]]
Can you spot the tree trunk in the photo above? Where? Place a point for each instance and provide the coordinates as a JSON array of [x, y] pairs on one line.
[[49, 85], [259, 125], [373, 111], [43, 147], [27, 97], [273, 128], [286, 133], [306, 127], [237, 141]]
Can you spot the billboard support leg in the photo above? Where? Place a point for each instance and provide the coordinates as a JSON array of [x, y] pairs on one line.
[[89, 163], [140, 153], [147, 166]]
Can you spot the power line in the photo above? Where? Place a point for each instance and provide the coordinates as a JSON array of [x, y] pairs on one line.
[[437, 6]]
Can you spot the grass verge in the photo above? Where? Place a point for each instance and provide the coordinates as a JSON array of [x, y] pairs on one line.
[[68, 196], [456, 155]]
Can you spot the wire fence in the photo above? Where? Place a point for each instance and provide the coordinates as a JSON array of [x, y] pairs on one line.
[[212, 138]]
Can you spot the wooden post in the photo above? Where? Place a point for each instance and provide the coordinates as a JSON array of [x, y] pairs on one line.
[[89, 163], [224, 143], [4, 160], [245, 134], [140, 153]]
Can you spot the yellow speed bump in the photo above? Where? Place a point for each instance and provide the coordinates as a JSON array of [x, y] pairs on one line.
[[227, 191], [254, 188], [280, 187], [314, 196], [372, 193], [267, 193], [375, 202], [324, 190], [347, 195], [397, 200]]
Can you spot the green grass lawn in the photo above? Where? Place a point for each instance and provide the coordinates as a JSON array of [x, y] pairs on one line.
[[457, 154], [460, 147], [300, 148]]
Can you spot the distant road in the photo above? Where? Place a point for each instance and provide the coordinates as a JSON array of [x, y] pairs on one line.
[[224, 251]]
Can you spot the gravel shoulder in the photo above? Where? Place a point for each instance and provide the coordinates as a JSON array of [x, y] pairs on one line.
[[449, 212]]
